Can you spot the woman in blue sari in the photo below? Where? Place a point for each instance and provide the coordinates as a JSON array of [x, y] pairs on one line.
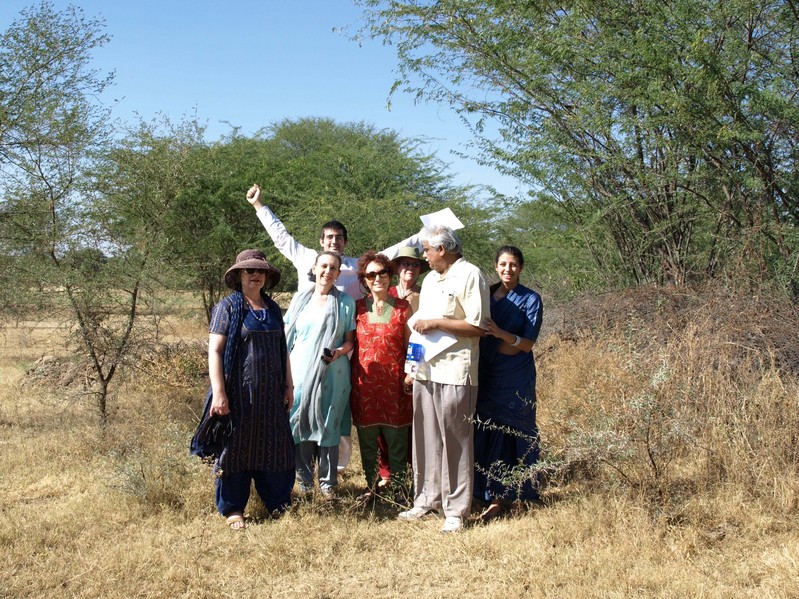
[[506, 434]]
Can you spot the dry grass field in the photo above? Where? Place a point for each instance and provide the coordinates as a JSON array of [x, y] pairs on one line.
[[670, 427]]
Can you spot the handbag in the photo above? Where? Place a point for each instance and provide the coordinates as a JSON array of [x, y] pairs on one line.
[[213, 434]]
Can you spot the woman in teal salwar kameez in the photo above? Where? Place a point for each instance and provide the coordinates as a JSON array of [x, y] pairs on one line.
[[320, 319]]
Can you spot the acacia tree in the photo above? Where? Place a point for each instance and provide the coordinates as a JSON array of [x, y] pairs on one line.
[[111, 256], [672, 126], [49, 125], [80, 215]]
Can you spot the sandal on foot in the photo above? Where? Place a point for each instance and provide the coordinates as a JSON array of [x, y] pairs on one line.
[[236, 522], [492, 511]]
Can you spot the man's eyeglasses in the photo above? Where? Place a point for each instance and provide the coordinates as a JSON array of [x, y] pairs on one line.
[[252, 271], [374, 274]]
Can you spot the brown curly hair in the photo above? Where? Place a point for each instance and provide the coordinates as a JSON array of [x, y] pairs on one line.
[[368, 258]]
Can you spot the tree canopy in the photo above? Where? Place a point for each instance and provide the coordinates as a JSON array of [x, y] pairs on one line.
[[374, 181], [667, 129]]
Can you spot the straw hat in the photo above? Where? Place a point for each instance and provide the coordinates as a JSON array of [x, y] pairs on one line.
[[251, 259], [412, 252]]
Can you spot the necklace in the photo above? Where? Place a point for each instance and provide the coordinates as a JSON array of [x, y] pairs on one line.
[[255, 312], [376, 306], [380, 308]]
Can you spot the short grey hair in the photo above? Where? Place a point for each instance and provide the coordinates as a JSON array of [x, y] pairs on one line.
[[441, 236]]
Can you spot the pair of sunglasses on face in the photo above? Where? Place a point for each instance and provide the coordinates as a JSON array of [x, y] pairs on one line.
[[252, 271], [377, 273]]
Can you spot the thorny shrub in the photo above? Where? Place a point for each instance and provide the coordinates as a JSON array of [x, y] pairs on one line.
[[669, 391]]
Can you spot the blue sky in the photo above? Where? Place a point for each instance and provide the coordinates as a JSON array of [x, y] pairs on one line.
[[252, 63]]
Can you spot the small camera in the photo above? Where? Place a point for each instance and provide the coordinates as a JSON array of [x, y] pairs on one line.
[[327, 354]]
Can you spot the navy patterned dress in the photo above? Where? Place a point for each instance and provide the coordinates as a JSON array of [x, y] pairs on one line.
[[506, 400], [255, 382]]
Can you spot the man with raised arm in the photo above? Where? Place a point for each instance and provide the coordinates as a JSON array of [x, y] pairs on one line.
[[332, 238]]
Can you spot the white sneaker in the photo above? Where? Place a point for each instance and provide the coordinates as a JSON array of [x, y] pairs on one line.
[[452, 524], [415, 513]]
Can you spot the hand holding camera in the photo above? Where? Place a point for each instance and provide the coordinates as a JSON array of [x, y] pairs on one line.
[[328, 355]]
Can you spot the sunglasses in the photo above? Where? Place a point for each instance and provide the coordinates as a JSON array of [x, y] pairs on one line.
[[252, 271], [377, 273]]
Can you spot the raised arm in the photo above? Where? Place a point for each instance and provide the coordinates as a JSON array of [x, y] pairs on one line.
[[300, 256], [413, 240]]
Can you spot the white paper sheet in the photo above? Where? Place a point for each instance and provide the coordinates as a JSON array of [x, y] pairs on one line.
[[444, 217], [433, 342]]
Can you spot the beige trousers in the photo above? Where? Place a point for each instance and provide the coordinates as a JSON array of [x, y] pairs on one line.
[[443, 447]]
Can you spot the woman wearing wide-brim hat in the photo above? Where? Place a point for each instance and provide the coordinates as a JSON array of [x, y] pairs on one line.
[[248, 365], [410, 265]]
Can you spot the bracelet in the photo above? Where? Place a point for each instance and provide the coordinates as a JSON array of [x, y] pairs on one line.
[[517, 341]]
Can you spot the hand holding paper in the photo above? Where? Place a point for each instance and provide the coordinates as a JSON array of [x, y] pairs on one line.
[[434, 342]]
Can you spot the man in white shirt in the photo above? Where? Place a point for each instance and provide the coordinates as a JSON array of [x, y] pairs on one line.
[[333, 238], [455, 301]]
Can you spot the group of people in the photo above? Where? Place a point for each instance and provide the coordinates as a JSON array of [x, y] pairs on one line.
[[291, 387]]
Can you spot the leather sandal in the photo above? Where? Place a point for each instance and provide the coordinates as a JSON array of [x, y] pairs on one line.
[[236, 522]]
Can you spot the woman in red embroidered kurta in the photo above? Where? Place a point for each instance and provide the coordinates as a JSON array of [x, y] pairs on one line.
[[378, 399]]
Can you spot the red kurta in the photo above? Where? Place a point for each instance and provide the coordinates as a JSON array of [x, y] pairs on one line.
[[378, 368]]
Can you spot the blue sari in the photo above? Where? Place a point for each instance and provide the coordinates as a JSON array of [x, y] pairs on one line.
[[506, 434]]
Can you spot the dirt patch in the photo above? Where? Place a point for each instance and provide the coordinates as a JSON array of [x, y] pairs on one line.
[[59, 372]]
